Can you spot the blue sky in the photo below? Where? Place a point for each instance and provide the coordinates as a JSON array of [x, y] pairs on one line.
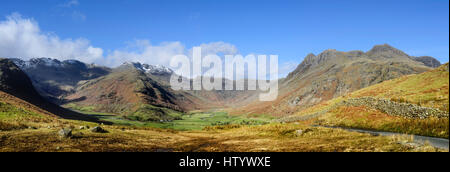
[[290, 29]]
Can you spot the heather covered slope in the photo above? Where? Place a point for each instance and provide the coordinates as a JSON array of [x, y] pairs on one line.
[[133, 86], [413, 104], [15, 86], [126, 91], [334, 73]]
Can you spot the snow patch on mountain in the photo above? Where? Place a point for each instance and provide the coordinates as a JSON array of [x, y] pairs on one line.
[[151, 69], [46, 62]]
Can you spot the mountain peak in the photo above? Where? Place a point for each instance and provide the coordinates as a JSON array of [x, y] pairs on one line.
[[47, 62], [386, 50], [151, 69], [310, 57]]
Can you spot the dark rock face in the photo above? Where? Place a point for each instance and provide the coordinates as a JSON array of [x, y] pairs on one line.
[[428, 61], [15, 82], [53, 78]]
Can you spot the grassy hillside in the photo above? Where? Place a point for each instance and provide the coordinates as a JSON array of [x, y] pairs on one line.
[[427, 91], [17, 114], [12, 117], [127, 92], [26, 128], [228, 138]]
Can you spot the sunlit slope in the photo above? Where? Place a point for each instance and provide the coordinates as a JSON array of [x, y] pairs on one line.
[[413, 104], [429, 89], [17, 114]]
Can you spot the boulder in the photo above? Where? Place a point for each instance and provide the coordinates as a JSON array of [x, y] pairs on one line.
[[98, 129], [65, 133], [299, 132], [32, 128]]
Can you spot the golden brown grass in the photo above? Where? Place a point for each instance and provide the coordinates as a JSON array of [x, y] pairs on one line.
[[17, 137], [272, 137], [429, 89], [365, 118]]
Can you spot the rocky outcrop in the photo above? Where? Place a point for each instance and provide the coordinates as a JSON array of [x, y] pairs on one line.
[[53, 79]]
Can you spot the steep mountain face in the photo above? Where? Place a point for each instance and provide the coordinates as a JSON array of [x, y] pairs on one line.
[[334, 73], [15, 82], [15, 86], [428, 61], [124, 90], [54, 79], [192, 99]]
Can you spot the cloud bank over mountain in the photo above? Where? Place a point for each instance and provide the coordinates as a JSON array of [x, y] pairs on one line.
[[22, 37]]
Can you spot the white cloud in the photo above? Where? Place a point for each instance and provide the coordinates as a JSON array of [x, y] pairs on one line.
[[70, 3], [220, 48], [22, 38], [142, 51], [79, 16]]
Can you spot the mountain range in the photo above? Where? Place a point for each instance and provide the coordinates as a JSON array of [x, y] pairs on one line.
[[135, 88]]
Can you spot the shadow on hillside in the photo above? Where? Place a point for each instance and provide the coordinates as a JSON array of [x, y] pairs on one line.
[[57, 110], [67, 101]]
